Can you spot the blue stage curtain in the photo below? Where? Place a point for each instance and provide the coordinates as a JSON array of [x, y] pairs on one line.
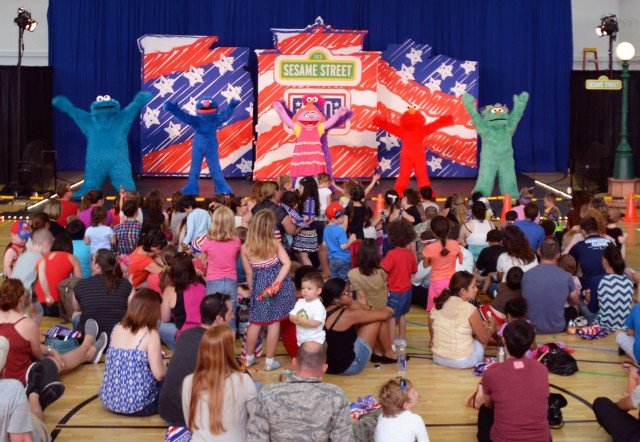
[[523, 45]]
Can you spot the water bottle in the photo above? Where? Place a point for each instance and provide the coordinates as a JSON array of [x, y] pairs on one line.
[[501, 354], [401, 350]]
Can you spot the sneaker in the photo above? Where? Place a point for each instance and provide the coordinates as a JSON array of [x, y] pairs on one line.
[[50, 394], [91, 328], [51, 373], [249, 364], [35, 375], [581, 321], [99, 345], [554, 412], [274, 366]]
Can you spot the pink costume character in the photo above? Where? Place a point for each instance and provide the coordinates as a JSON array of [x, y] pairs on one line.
[[308, 126]]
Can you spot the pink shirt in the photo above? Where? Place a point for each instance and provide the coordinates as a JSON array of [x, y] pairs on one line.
[[443, 267], [221, 258]]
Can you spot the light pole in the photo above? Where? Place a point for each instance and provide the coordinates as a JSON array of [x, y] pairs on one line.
[[623, 166]]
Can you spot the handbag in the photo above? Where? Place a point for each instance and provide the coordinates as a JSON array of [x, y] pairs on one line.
[[558, 361]]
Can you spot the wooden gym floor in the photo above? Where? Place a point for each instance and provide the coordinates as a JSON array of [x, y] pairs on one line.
[[78, 415]]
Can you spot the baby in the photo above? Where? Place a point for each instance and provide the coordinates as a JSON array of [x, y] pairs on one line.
[[309, 314]]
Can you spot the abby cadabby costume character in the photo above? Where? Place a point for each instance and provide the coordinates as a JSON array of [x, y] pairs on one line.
[[308, 124]]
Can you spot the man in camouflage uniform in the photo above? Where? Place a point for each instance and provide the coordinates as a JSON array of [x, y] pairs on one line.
[[302, 408]]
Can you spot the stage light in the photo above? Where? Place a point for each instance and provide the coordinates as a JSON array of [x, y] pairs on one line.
[[625, 51], [608, 26], [25, 21]]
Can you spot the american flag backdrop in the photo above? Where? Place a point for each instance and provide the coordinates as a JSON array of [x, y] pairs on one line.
[[409, 74], [184, 69], [354, 148]]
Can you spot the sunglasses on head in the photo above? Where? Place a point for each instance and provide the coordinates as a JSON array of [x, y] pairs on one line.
[[403, 385]]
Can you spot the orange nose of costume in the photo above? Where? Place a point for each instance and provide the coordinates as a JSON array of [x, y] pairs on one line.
[[412, 110]]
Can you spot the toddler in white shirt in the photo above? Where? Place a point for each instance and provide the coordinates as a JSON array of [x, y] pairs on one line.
[[397, 422], [309, 314]]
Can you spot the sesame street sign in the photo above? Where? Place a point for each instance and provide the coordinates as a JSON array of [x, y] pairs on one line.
[[603, 83], [318, 67]]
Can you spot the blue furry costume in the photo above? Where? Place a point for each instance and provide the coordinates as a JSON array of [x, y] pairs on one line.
[[106, 128], [206, 124]]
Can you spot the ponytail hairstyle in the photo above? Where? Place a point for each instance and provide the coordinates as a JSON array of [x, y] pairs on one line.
[[459, 280], [110, 268], [309, 190], [168, 253], [440, 228], [357, 194], [413, 199]]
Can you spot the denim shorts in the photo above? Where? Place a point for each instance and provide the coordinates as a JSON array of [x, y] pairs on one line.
[[339, 268], [363, 354], [400, 303], [225, 286]]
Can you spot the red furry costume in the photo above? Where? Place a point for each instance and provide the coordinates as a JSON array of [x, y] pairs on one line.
[[413, 157]]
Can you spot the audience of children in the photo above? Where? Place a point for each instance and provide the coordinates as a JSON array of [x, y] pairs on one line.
[[355, 313]]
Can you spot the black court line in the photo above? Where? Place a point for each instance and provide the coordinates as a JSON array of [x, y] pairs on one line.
[[474, 424], [599, 362], [573, 395], [67, 417]]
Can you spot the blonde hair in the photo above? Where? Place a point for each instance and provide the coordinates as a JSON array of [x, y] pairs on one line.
[[260, 241], [216, 361], [323, 178], [222, 227], [53, 208], [392, 397], [458, 208]]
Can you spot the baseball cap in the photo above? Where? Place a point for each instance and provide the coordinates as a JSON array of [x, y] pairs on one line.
[[21, 228], [334, 210]]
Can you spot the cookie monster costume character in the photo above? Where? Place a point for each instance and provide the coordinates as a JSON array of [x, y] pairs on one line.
[[413, 156], [308, 124], [496, 127], [206, 124], [320, 103], [106, 128]]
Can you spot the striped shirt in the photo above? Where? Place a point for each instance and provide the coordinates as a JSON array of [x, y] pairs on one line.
[[611, 296], [97, 303]]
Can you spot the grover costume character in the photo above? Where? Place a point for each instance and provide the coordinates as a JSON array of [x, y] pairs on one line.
[[309, 125], [205, 141], [106, 128], [413, 157], [496, 127]]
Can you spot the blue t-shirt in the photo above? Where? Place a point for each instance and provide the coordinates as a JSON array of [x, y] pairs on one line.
[[588, 254], [534, 233], [334, 236], [82, 251], [633, 323]]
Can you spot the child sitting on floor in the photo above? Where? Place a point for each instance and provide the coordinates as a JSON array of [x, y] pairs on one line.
[[398, 423]]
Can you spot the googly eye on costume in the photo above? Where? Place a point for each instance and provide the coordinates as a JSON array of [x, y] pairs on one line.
[[106, 97], [99, 98]]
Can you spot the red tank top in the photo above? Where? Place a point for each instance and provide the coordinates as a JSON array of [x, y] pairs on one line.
[[19, 357], [58, 268]]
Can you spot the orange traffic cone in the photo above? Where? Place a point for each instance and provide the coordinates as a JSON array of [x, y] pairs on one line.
[[506, 206], [631, 215]]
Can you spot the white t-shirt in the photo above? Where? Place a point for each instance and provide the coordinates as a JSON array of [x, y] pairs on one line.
[[99, 237], [324, 193], [467, 261], [506, 261], [404, 427], [315, 311]]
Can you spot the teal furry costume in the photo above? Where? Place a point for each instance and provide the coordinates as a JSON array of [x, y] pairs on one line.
[[205, 141], [106, 128], [496, 127]]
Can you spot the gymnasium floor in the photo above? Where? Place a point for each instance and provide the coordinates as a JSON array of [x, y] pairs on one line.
[[78, 415]]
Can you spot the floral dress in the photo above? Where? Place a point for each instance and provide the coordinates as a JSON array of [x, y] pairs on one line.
[[272, 309]]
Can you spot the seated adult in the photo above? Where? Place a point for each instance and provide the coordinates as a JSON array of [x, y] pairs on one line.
[[197, 222], [21, 416], [54, 210], [611, 295], [181, 300], [588, 252], [24, 336], [453, 323], [219, 397], [134, 368], [144, 259], [265, 195], [303, 407], [547, 288], [81, 250], [629, 340], [473, 233], [518, 253], [614, 417], [90, 200], [68, 208], [104, 296], [530, 227], [351, 347], [215, 309], [505, 416]]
